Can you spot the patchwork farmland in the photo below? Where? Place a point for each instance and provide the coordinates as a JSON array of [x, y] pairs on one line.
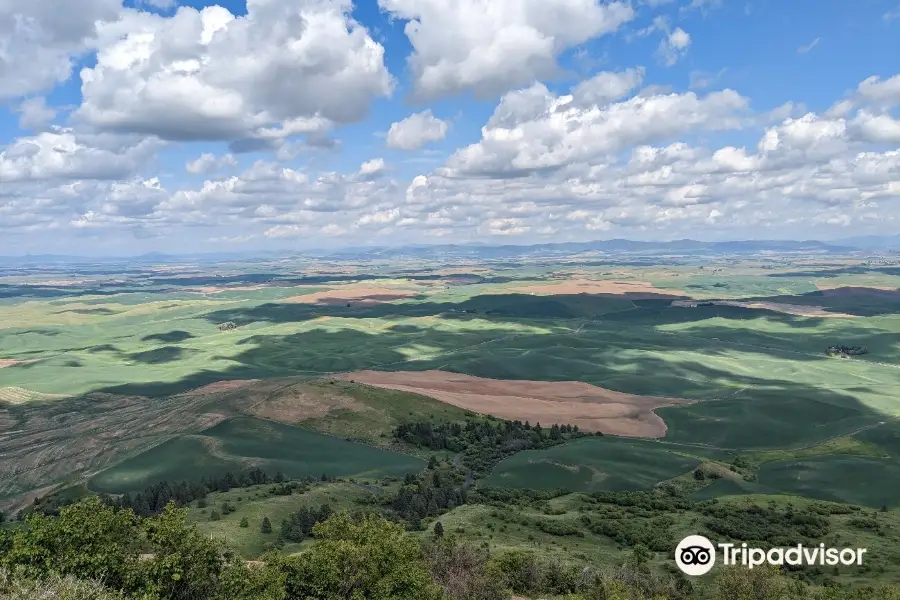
[[671, 381]]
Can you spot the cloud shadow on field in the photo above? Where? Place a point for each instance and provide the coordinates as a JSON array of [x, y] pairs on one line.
[[617, 352], [831, 273], [621, 345], [103, 348], [623, 350], [89, 311], [158, 356], [171, 337]]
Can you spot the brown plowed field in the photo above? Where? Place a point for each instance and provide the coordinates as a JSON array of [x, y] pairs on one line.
[[631, 289], [589, 407]]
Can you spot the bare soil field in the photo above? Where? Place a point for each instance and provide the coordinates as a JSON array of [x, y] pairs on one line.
[[297, 403], [20, 395], [8, 362], [226, 385], [363, 295], [788, 309], [589, 407], [632, 289]]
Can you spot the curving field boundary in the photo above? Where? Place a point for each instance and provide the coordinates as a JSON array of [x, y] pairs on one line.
[[589, 407]]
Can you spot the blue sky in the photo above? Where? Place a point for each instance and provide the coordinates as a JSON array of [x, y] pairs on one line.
[[531, 118]]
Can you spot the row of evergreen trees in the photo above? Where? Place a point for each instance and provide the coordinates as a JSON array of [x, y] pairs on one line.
[[456, 437], [483, 443], [430, 494], [299, 525], [155, 497]]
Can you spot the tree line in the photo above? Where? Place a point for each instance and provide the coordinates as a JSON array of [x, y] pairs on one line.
[[483, 443], [299, 525], [155, 497]]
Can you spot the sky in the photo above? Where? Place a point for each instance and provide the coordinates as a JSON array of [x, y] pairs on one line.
[[198, 126]]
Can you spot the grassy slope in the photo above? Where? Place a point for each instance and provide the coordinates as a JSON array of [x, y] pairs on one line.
[[593, 464], [524, 527], [244, 443], [384, 410], [482, 524], [256, 502]]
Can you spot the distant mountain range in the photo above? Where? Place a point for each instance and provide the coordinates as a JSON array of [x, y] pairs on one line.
[[618, 246], [873, 242], [499, 252]]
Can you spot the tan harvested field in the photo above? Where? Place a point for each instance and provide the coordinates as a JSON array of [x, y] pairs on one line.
[[20, 395], [632, 289], [788, 309], [365, 295], [589, 407], [297, 403], [225, 385]]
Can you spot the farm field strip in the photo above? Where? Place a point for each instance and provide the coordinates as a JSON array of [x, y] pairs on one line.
[[562, 402]]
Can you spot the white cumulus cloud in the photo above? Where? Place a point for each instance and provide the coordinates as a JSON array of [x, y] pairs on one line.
[[288, 67], [416, 130], [490, 47]]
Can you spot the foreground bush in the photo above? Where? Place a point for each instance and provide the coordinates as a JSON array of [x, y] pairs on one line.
[[53, 587], [366, 558], [93, 551]]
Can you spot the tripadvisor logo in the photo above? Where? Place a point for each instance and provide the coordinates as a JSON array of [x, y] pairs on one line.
[[696, 555]]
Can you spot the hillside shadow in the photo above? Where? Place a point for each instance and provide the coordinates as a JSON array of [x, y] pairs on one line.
[[831, 273], [171, 337], [158, 356], [769, 408], [854, 300], [103, 348], [605, 340], [39, 291], [723, 327], [607, 307], [88, 311]]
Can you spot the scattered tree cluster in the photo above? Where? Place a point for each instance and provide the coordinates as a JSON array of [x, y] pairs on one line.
[[745, 468], [155, 497], [299, 525], [430, 494], [226, 326], [765, 525], [845, 351], [484, 442]]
